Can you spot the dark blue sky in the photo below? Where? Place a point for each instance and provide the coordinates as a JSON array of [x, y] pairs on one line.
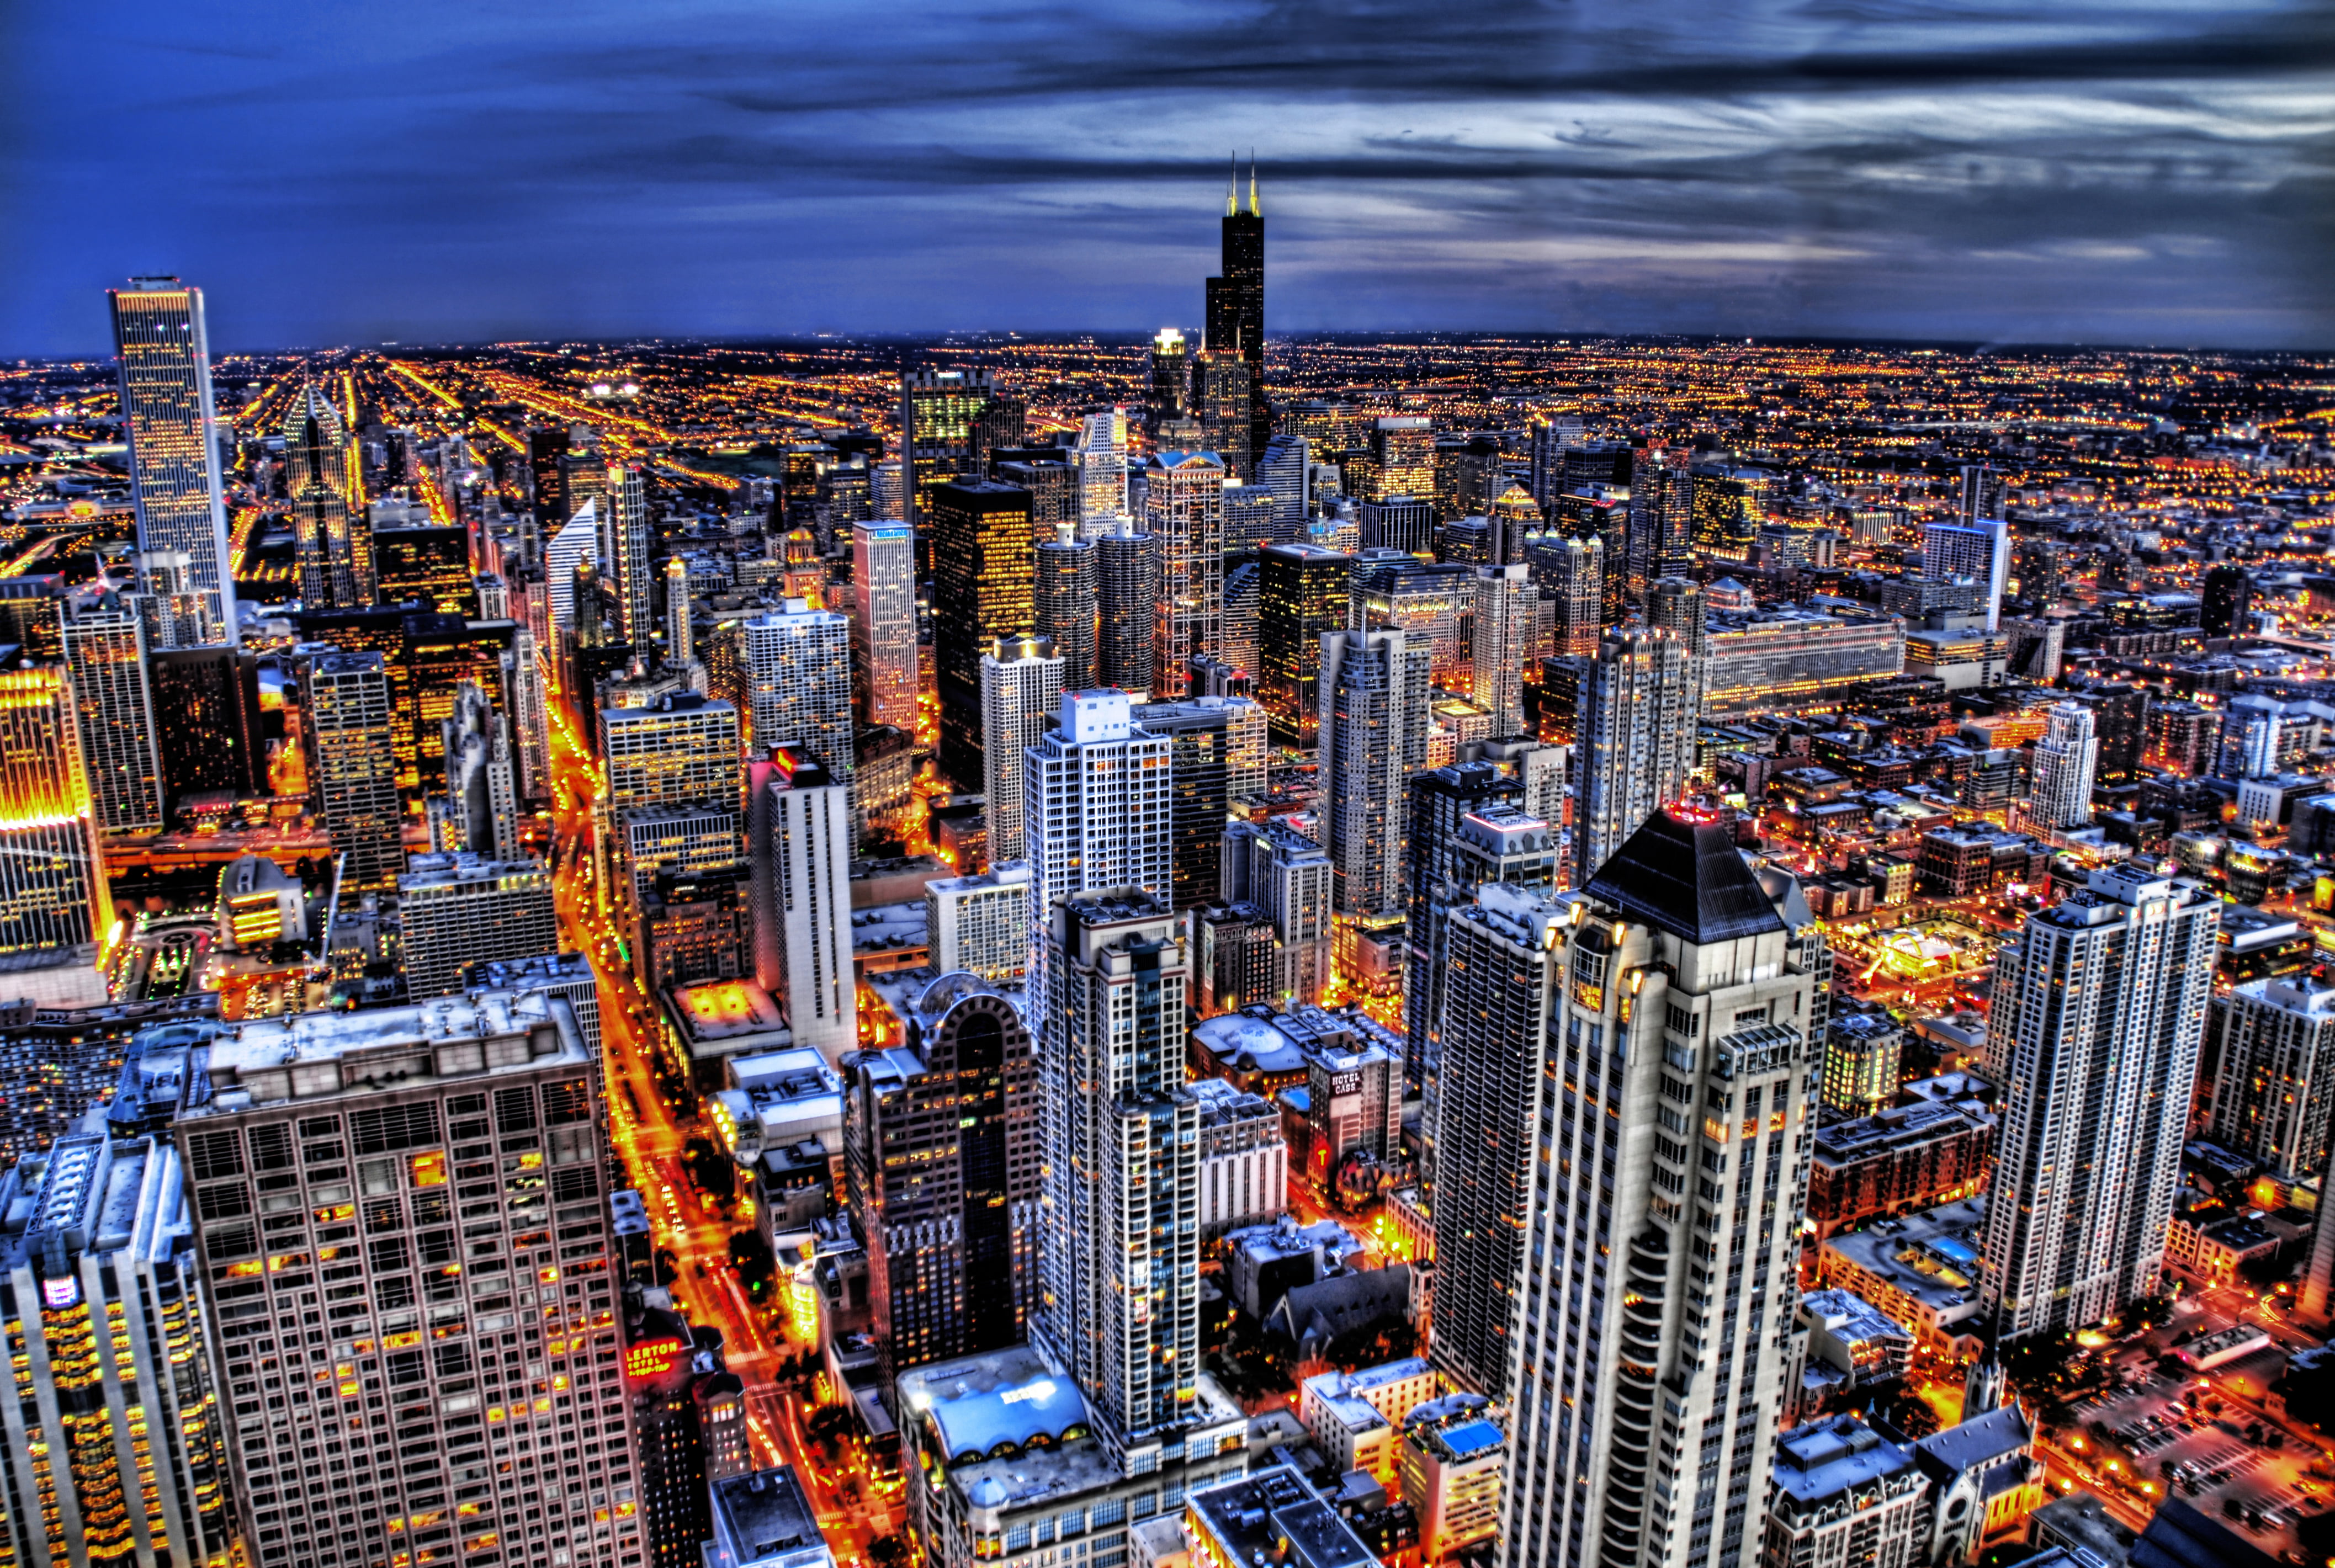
[[2115, 171]]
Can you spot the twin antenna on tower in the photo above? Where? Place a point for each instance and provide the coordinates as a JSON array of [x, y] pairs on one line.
[[1232, 187]]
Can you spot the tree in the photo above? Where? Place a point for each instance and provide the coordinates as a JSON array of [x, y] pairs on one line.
[[750, 1255]]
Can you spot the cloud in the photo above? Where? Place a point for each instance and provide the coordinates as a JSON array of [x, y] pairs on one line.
[[2084, 171]]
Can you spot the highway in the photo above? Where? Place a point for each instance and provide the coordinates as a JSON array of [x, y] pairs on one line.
[[651, 1137]]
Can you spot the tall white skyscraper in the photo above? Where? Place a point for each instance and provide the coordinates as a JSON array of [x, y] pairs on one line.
[[333, 531], [1120, 1266], [2065, 758], [1635, 744], [1102, 464], [574, 545], [1373, 739], [1976, 552], [1507, 604], [1020, 689], [801, 865], [1097, 814], [626, 552], [884, 621], [798, 668], [1634, 1097], [1183, 509], [173, 431], [2098, 1011], [680, 638]]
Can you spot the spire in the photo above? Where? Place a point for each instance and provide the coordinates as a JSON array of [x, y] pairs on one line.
[[1232, 187], [1253, 210]]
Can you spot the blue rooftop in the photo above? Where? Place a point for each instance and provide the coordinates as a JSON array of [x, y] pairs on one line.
[[1471, 1438]]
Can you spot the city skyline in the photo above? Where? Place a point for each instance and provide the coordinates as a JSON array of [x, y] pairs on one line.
[[2095, 176]]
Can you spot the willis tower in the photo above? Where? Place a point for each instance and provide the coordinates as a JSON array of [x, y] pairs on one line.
[[1236, 308]]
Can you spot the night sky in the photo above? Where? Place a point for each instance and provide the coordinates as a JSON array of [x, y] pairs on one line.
[[2050, 172]]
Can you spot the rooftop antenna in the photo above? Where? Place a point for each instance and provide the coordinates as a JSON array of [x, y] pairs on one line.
[[1253, 210], [1232, 187]]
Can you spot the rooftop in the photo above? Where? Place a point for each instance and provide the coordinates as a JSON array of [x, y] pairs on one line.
[[723, 1010], [765, 1513], [1825, 1459], [1272, 1515], [1686, 877]]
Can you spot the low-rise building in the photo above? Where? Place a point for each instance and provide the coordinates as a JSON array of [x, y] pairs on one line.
[[707, 1023], [1354, 1417], [1846, 1494], [1851, 1346], [1921, 1270], [1244, 1158], [1984, 1483], [1264, 1262], [1454, 1455], [1909, 1156], [1271, 1515], [765, 1519]]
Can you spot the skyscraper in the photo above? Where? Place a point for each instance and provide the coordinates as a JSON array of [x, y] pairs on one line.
[[1287, 877], [1372, 738], [1067, 607], [1977, 552], [1983, 493], [1284, 468], [1436, 802], [940, 411], [1020, 689], [1215, 759], [1302, 593], [1573, 572], [2229, 599], [105, 661], [1096, 812], [625, 554], [2064, 760], [1102, 464], [1402, 458], [331, 531], [797, 669], [354, 1149], [1636, 740], [173, 433], [1183, 509], [353, 769], [802, 859], [680, 640], [1121, 1140], [481, 800], [1637, 1098], [53, 888], [884, 622], [2274, 1079], [1506, 606], [1220, 400], [1167, 399], [1127, 597], [458, 910], [1236, 640], [2099, 1007], [940, 1134], [114, 1452], [982, 591], [1234, 321]]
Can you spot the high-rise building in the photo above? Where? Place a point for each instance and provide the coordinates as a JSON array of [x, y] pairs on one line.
[[625, 554], [481, 799], [1128, 600], [1220, 404], [1645, 1137], [1983, 493], [113, 1450], [1372, 738], [331, 530], [1427, 601], [884, 622], [173, 432], [1236, 642], [981, 923], [545, 445], [801, 857], [458, 910], [1121, 1311], [1020, 689], [2065, 759], [1573, 572], [1401, 458], [2229, 601], [940, 1138], [1284, 469], [1506, 604], [688, 1415], [106, 662], [2274, 1073], [1215, 759], [53, 897], [1302, 593], [1051, 475], [1102, 464], [1844, 1489], [353, 769], [1636, 740], [1183, 509], [1066, 606], [1097, 807], [1977, 552], [1167, 396], [798, 668], [982, 590], [1235, 320], [940, 411], [679, 748], [349, 1124], [1675, 605], [1287, 877], [2099, 1008]]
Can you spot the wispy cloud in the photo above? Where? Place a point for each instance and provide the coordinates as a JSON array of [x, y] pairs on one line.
[[1852, 166]]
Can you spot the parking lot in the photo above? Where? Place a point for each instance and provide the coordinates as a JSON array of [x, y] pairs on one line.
[[2187, 1437]]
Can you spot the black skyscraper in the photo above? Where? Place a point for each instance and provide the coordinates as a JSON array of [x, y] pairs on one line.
[[1236, 304], [2229, 602]]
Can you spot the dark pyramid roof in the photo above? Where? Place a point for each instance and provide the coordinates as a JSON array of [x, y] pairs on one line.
[[1686, 877]]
